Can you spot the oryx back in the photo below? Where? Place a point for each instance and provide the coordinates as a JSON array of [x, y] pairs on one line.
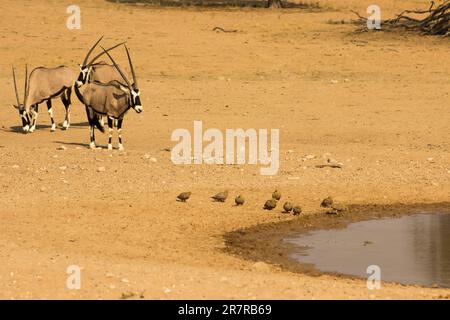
[[48, 83], [104, 73]]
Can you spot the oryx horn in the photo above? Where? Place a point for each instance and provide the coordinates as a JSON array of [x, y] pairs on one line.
[[131, 66], [118, 69], [102, 53], [26, 85], [15, 87], [90, 51]]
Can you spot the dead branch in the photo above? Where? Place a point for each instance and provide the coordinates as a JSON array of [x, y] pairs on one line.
[[220, 29], [433, 21]]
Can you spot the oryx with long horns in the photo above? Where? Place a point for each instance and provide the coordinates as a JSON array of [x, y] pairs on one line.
[[43, 85], [92, 71], [112, 99]]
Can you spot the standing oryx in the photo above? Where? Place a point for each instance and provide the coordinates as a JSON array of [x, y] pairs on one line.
[[43, 85], [97, 72], [46, 84], [111, 99]]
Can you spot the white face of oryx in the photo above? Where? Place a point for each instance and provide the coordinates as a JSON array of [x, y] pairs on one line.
[[137, 106]]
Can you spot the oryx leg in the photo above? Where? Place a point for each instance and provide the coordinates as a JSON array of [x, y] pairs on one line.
[[66, 100], [119, 131], [34, 115], [50, 113], [91, 118], [111, 128]]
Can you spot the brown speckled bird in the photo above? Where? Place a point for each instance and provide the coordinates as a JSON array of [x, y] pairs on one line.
[[297, 210], [184, 196], [276, 195], [270, 204], [221, 196], [338, 207], [327, 202], [287, 207], [239, 200]]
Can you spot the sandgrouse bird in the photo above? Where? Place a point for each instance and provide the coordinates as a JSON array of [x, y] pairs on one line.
[[184, 196], [287, 207], [270, 204], [297, 210], [276, 195], [221, 196], [327, 202], [239, 200]]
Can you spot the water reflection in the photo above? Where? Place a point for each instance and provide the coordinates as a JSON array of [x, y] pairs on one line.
[[411, 250]]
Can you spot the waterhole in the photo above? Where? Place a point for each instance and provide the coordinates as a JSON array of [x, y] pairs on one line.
[[412, 249]]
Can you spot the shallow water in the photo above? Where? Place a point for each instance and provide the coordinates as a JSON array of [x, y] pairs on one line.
[[411, 249]]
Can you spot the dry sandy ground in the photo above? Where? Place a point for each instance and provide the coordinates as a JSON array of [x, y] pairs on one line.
[[377, 102]]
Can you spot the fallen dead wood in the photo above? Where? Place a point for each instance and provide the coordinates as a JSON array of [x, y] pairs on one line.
[[329, 165], [433, 21], [220, 29]]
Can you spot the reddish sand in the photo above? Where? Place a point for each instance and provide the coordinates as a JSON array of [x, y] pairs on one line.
[[378, 102]]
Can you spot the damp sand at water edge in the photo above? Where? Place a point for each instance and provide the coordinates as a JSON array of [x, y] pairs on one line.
[[410, 250]]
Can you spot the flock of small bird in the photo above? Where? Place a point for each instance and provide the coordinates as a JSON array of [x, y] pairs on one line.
[[270, 204]]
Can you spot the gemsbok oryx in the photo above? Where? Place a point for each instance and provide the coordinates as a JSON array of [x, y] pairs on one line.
[[100, 71], [97, 72], [112, 99], [43, 85]]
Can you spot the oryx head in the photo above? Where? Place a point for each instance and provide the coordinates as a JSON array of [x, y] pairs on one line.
[[135, 94], [21, 106], [86, 67]]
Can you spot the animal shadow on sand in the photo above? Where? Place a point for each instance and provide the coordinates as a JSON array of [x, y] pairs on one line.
[[79, 125]]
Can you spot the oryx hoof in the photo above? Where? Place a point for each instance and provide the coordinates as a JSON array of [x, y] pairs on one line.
[[121, 148], [66, 125], [92, 146], [32, 129], [110, 146], [53, 128]]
